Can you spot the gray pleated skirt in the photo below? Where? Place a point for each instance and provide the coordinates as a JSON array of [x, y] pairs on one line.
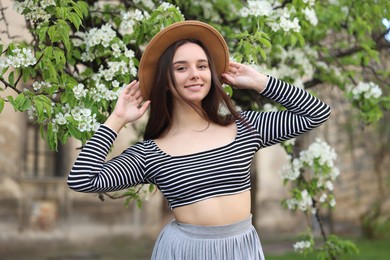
[[238, 241]]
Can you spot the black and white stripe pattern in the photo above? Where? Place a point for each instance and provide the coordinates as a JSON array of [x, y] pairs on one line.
[[190, 178]]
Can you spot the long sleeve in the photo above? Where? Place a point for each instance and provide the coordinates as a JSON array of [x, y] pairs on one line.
[[304, 113], [91, 172]]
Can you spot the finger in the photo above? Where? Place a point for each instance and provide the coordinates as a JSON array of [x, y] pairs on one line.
[[232, 71], [234, 64], [144, 107], [126, 89], [134, 89], [228, 79], [137, 94], [140, 100]]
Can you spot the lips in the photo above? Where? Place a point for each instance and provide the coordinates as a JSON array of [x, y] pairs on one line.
[[194, 86]]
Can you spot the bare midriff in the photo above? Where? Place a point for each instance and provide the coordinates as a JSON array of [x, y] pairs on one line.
[[217, 211]]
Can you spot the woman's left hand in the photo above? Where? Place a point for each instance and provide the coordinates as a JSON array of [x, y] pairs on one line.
[[244, 77]]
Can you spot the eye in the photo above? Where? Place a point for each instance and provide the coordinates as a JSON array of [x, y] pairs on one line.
[[203, 66], [180, 68]]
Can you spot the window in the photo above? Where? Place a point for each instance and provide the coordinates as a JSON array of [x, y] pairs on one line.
[[40, 161]]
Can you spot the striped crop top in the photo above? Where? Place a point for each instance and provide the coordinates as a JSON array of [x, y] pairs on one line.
[[186, 179]]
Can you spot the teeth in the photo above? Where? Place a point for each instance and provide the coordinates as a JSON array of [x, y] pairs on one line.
[[194, 86]]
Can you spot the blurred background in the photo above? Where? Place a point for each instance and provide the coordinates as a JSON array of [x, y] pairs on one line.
[[41, 218]]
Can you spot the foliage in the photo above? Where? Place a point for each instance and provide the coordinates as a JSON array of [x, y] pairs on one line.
[[82, 53], [375, 224]]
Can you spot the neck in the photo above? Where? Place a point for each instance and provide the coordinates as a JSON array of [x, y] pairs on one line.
[[187, 118]]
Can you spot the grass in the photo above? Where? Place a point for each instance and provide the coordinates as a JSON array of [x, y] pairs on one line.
[[368, 250], [126, 248]]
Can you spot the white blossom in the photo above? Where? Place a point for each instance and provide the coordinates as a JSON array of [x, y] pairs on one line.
[[311, 16], [323, 197], [332, 203], [309, 2], [289, 141], [290, 25], [79, 91], [321, 151], [306, 201], [21, 58], [31, 112], [257, 8], [365, 90], [165, 6], [291, 171], [329, 185], [147, 3], [345, 10], [59, 119], [38, 85], [129, 54], [114, 67], [102, 36], [269, 107], [86, 119], [3, 64], [130, 19], [301, 245], [36, 9], [334, 173]]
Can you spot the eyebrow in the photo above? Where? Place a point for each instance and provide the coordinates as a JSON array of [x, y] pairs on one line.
[[183, 61]]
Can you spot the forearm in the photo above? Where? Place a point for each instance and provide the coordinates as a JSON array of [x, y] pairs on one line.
[[92, 173], [115, 123], [260, 82], [297, 100], [90, 161]]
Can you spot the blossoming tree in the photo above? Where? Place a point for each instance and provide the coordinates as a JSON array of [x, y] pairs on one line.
[[83, 52]]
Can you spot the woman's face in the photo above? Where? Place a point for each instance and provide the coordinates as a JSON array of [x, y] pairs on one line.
[[192, 73]]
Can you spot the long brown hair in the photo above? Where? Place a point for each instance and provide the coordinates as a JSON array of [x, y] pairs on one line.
[[161, 106]]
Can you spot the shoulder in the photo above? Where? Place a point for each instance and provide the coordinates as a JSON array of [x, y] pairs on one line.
[[140, 147], [250, 116]]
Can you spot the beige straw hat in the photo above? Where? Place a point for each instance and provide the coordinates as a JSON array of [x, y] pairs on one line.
[[203, 32]]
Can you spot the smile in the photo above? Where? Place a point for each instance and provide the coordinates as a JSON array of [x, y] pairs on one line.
[[194, 86]]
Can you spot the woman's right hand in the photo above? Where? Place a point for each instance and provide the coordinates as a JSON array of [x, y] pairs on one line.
[[129, 107]]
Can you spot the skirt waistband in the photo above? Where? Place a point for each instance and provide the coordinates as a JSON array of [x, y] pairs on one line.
[[224, 231]]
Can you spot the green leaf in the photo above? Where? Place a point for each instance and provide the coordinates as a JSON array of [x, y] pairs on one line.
[[61, 12], [52, 32], [73, 131], [228, 90], [43, 107], [20, 103], [1, 104], [42, 33], [64, 138], [11, 78], [75, 20], [263, 54], [48, 52], [52, 72], [59, 57], [51, 137], [84, 7]]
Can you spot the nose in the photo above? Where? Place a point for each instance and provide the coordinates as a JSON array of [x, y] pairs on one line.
[[194, 74]]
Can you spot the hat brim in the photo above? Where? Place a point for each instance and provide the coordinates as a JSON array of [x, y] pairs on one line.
[[208, 35]]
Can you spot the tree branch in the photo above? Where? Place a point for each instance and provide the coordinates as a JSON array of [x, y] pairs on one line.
[[7, 85]]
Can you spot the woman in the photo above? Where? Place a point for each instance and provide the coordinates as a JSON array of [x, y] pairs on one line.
[[197, 156]]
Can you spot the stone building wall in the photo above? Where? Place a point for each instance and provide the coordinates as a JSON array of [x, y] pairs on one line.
[[363, 161], [47, 205]]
